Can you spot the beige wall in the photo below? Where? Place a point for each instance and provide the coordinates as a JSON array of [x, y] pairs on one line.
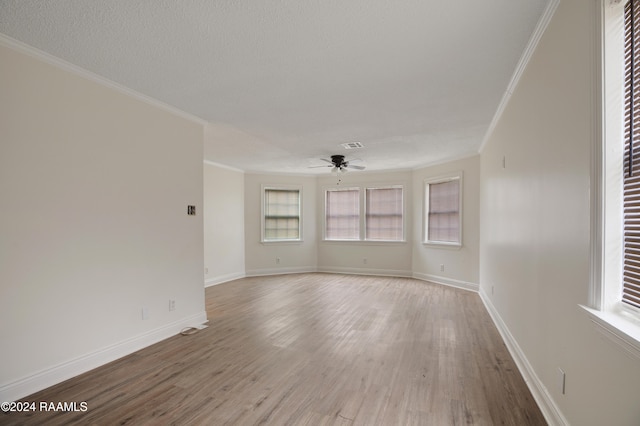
[[223, 224], [535, 226], [382, 258], [260, 258], [94, 188], [460, 264], [408, 258]]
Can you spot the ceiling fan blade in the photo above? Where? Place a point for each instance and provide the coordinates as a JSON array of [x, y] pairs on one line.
[[356, 167], [324, 165], [328, 161]]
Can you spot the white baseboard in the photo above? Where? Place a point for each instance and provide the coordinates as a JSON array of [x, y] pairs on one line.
[[547, 405], [446, 281], [224, 278], [43, 379], [366, 271], [280, 271]]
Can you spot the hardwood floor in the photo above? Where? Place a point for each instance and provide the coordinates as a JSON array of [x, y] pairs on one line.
[[313, 349]]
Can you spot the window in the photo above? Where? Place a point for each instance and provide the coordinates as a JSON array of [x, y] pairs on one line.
[[443, 211], [342, 214], [281, 219], [378, 216], [384, 218], [615, 273], [631, 174]]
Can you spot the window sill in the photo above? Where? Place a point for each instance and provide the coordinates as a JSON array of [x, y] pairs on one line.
[[619, 327], [281, 242], [437, 244], [366, 242]]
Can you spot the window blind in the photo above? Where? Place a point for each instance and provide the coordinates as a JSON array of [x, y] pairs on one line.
[[281, 214], [443, 216], [383, 214], [342, 214], [631, 198]]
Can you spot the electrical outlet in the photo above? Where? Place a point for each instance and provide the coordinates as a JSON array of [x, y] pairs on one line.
[[364, 261], [206, 270], [172, 305], [145, 313], [492, 290], [277, 260], [442, 267]]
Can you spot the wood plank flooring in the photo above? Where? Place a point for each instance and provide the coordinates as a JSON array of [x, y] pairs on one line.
[[312, 349]]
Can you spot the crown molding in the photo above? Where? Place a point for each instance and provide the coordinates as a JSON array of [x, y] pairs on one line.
[[33, 52], [541, 27], [446, 161], [222, 166]]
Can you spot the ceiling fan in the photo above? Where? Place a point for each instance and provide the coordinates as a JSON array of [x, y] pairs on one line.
[[338, 164]]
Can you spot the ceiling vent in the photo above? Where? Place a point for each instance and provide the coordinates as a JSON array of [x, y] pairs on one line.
[[352, 145]]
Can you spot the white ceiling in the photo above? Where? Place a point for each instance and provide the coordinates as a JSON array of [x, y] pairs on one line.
[[284, 82]]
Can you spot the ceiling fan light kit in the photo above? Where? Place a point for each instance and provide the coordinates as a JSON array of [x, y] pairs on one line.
[[339, 165]]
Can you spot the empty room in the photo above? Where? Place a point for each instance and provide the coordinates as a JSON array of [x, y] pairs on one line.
[[301, 212]]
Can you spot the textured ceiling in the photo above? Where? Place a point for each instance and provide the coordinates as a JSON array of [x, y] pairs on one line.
[[283, 82]]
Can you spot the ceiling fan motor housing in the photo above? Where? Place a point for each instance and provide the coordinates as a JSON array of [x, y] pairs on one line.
[[338, 160]]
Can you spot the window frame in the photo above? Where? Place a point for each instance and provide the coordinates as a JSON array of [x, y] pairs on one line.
[[264, 189], [362, 190], [617, 321], [425, 211]]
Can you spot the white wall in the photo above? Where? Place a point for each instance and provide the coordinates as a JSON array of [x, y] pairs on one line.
[[461, 265], [223, 224], [260, 258], [94, 188], [535, 227], [408, 258], [382, 258]]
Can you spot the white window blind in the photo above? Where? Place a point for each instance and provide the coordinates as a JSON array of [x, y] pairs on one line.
[[281, 214], [631, 192], [384, 214], [342, 214], [443, 214]]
